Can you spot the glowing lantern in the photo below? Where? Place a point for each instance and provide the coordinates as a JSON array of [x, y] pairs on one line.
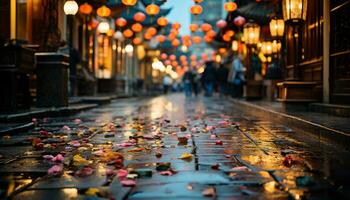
[[187, 43], [174, 63], [194, 27], [239, 21], [171, 36], [139, 17], [85, 9], [196, 9], [162, 21], [206, 27], [152, 9], [147, 36], [175, 43], [129, 2], [103, 27], [128, 33], [110, 33], [204, 56], [137, 41], [152, 31], [208, 39], [222, 50], [163, 56], [193, 57], [276, 27], [186, 37], [136, 27], [118, 36], [120, 22], [103, 11], [211, 33], [183, 58], [234, 45], [93, 24], [221, 23], [276, 46], [70, 7], [266, 47], [251, 33], [196, 39], [230, 33], [161, 38], [226, 38], [167, 62], [175, 32], [176, 26], [294, 10], [230, 6], [172, 57]]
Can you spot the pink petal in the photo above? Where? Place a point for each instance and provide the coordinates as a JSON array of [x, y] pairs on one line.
[[122, 173], [77, 121], [48, 157], [86, 171], [166, 173], [212, 136], [128, 183], [58, 158], [66, 128], [54, 170]]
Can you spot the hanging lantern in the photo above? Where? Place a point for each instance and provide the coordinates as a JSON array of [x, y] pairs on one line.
[[70, 7], [226, 38], [137, 41], [251, 33], [230, 33], [93, 24], [110, 33], [211, 33], [239, 21], [161, 38], [193, 57], [234, 45], [147, 36], [118, 36], [103, 11], [152, 31], [163, 56], [162, 21], [196, 9], [129, 2], [152, 9], [175, 32], [171, 36], [230, 6], [276, 46], [85, 9], [176, 26], [221, 23], [139, 17], [208, 39], [174, 63], [172, 57], [128, 33], [167, 62], [294, 10], [266, 47], [196, 39], [175, 43], [120, 22], [136, 27], [186, 37], [103, 27], [197, 1], [193, 27], [204, 56], [276, 27], [187, 43], [222, 50], [206, 27], [183, 58]]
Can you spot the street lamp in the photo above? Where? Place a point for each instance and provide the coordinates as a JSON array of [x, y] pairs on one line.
[[294, 12], [70, 7], [276, 27], [103, 27], [251, 33], [129, 49]]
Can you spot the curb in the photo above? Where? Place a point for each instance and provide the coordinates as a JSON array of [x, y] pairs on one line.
[[322, 132]]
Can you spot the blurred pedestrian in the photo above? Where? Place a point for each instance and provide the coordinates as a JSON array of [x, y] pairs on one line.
[[188, 81], [209, 78], [195, 82], [167, 83], [236, 76], [222, 76]]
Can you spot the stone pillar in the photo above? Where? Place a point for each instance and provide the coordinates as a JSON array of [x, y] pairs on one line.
[[52, 79], [326, 38]]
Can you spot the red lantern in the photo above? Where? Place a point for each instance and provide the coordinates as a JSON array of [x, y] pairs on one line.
[[136, 27], [167, 62], [161, 38], [206, 27], [239, 21], [137, 41], [172, 57], [171, 36], [120, 22], [175, 43], [129, 2], [147, 36], [208, 39], [128, 33], [187, 43], [139, 17], [163, 56], [193, 57], [226, 38], [194, 27], [221, 23], [85, 9], [152, 31], [93, 24], [162, 21], [103, 11], [204, 56], [222, 50], [211, 33], [152, 9], [230, 33], [196, 9], [230, 6], [183, 58], [186, 37], [176, 26], [196, 39]]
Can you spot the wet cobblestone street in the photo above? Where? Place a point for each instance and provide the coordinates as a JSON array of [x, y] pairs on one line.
[[169, 147]]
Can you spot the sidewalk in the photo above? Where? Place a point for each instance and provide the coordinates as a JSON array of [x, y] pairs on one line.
[[324, 126]]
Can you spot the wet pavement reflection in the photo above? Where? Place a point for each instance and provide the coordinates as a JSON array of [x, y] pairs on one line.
[[169, 147]]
